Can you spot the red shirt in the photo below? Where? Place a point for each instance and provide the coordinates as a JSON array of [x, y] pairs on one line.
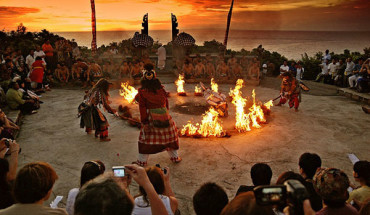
[[48, 49], [149, 100], [37, 73]]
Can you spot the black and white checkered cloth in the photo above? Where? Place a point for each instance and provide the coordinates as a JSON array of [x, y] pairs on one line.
[[142, 40], [184, 39]]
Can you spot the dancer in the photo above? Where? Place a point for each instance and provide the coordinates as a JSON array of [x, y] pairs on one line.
[[158, 131], [290, 89], [91, 117]]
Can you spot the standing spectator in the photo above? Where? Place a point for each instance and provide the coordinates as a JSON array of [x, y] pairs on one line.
[[49, 55], [89, 171], [264, 69], [75, 51], [8, 171], [39, 53], [32, 187], [361, 173], [308, 164], [327, 56], [352, 80], [270, 68], [261, 174], [284, 68], [161, 57], [323, 76], [300, 71], [160, 180], [30, 60], [293, 69], [37, 74], [348, 71], [113, 50], [332, 184], [209, 199], [15, 101]]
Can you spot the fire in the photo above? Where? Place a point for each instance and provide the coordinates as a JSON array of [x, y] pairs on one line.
[[242, 119], [209, 127], [245, 121], [198, 89], [214, 86], [128, 92], [180, 84]]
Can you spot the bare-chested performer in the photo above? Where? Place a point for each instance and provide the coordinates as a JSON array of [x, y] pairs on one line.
[[63, 73], [188, 69], [237, 70], [223, 69], [94, 73], [136, 71], [254, 72], [200, 69], [124, 70], [210, 70], [75, 72]]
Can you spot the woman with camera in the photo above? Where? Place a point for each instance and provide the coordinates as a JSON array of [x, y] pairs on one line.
[[160, 178], [158, 131]]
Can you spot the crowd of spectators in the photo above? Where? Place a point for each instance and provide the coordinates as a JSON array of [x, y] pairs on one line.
[[329, 191], [345, 72]]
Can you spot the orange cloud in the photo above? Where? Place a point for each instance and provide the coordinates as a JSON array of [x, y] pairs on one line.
[[14, 12]]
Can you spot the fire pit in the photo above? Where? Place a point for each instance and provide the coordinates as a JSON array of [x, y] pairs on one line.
[[180, 86]]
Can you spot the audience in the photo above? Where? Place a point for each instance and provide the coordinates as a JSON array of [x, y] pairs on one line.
[[308, 164], [261, 174], [361, 173], [32, 186], [245, 204], [209, 199], [89, 171], [332, 184], [15, 100]]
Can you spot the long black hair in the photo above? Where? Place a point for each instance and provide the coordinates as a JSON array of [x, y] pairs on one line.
[[153, 84]]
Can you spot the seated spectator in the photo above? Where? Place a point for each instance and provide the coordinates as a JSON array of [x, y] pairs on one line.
[[365, 209], [209, 199], [15, 100], [261, 174], [338, 80], [332, 184], [245, 204], [308, 164], [352, 80], [28, 94], [32, 187], [361, 173], [364, 77], [160, 180], [7, 127], [106, 195], [350, 66], [8, 171], [89, 171]]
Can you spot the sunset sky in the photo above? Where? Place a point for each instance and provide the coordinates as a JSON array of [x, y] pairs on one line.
[[75, 15]]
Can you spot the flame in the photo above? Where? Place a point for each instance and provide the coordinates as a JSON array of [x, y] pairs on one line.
[[198, 89], [214, 86], [180, 84], [269, 104], [128, 92], [256, 113], [242, 119], [210, 126]]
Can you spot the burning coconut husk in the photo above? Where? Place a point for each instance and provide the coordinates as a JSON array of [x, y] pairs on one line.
[[214, 86], [125, 114], [198, 91], [128, 92], [209, 127], [180, 85], [255, 117]]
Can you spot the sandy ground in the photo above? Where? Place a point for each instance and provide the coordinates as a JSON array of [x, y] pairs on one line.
[[331, 126]]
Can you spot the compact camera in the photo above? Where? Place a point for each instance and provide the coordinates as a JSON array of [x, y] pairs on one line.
[[119, 171]]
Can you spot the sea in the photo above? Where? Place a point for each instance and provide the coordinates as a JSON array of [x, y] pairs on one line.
[[291, 44]]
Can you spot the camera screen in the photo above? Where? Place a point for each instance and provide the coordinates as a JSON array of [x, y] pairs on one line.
[[273, 194], [119, 172], [272, 190]]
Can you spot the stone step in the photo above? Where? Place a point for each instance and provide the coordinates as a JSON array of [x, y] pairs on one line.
[[354, 95]]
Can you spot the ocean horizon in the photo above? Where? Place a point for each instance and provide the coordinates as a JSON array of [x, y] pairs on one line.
[[291, 44]]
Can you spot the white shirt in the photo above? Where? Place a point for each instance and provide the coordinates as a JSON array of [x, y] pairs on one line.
[[142, 208], [324, 69], [39, 54], [300, 72], [285, 68], [29, 61], [71, 200], [349, 68], [333, 67], [264, 67], [161, 53], [326, 57]]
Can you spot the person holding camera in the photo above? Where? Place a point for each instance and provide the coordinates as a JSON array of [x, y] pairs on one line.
[[108, 195], [261, 174], [160, 178], [8, 171], [158, 131], [7, 127], [89, 171]]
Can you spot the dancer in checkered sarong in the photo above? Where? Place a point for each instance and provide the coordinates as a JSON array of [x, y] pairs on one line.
[[158, 132]]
